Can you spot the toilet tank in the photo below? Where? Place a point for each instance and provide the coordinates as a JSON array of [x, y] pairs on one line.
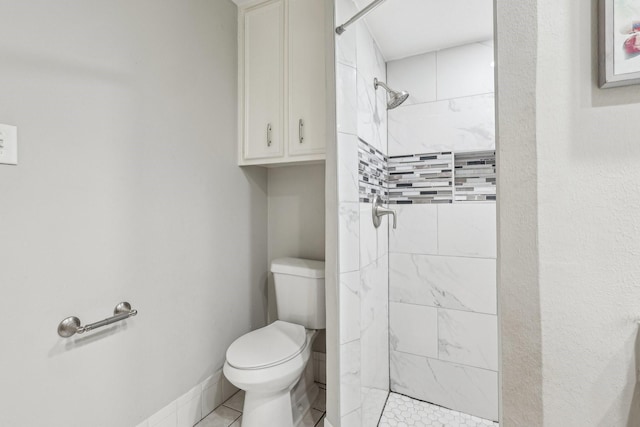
[[299, 285]]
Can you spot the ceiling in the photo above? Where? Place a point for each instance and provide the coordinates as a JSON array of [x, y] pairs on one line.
[[408, 27]]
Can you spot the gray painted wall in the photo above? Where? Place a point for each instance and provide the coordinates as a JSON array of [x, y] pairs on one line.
[[127, 189], [296, 221]]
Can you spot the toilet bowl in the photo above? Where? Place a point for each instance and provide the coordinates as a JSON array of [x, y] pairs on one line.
[[272, 363], [268, 379]]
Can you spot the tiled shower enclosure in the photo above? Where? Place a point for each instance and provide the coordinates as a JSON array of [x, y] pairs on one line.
[[442, 257], [417, 304]]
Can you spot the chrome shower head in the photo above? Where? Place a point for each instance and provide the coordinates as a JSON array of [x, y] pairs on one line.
[[395, 98]]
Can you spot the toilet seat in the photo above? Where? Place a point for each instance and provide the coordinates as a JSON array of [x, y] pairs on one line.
[[266, 347]]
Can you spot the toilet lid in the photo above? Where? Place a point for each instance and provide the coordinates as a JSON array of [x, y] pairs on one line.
[[268, 346]]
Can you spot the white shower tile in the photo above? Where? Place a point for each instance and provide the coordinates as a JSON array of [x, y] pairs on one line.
[[368, 236], [346, 42], [346, 100], [462, 388], [373, 401], [349, 229], [413, 329], [372, 111], [350, 361], [346, 48], [468, 338], [349, 306], [370, 116], [467, 230], [370, 61], [409, 280], [374, 324], [145, 423], [382, 234], [381, 100], [417, 230], [352, 419], [373, 241], [460, 283], [348, 190], [416, 75], [463, 124], [465, 70]]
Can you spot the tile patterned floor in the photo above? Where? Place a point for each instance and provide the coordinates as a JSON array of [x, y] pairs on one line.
[[402, 411], [229, 414]]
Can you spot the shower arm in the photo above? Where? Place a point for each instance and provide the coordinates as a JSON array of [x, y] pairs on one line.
[[377, 83], [342, 28]]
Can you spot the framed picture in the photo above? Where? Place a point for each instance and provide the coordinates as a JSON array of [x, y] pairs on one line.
[[619, 43]]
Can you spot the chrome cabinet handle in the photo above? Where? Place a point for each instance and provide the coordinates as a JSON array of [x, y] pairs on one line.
[[301, 131], [269, 135]]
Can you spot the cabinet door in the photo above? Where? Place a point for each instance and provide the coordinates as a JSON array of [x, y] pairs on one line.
[[307, 77], [263, 127]]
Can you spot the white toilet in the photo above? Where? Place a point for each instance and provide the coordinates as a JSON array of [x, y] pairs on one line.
[[271, 363]]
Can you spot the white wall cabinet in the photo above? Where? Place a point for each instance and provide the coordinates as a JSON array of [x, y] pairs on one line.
[[282, 82]]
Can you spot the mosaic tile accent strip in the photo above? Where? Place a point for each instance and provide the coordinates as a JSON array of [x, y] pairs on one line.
[[444, 177], [404, 411], [475, 176], [421, 178], [372, 172]]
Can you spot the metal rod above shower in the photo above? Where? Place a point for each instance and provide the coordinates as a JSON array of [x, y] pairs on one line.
[[342, 28]]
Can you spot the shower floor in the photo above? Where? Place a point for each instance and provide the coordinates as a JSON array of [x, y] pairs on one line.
[[402, 411]]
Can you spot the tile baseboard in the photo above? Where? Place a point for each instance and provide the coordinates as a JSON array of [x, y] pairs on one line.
[[194, 405]]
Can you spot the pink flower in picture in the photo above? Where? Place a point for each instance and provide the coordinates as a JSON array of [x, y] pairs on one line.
[[632, 45]]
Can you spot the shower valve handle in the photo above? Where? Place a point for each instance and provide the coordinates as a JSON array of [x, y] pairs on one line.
[[379, 211]]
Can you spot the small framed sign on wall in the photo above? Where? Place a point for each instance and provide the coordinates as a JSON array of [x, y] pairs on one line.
[[619, 36]]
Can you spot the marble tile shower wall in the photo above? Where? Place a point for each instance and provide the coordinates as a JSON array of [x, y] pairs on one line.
[[451, 102], [443, 315], [363, 258]]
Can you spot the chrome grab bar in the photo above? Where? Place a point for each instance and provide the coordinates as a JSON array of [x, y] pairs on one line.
[[71, 325]]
